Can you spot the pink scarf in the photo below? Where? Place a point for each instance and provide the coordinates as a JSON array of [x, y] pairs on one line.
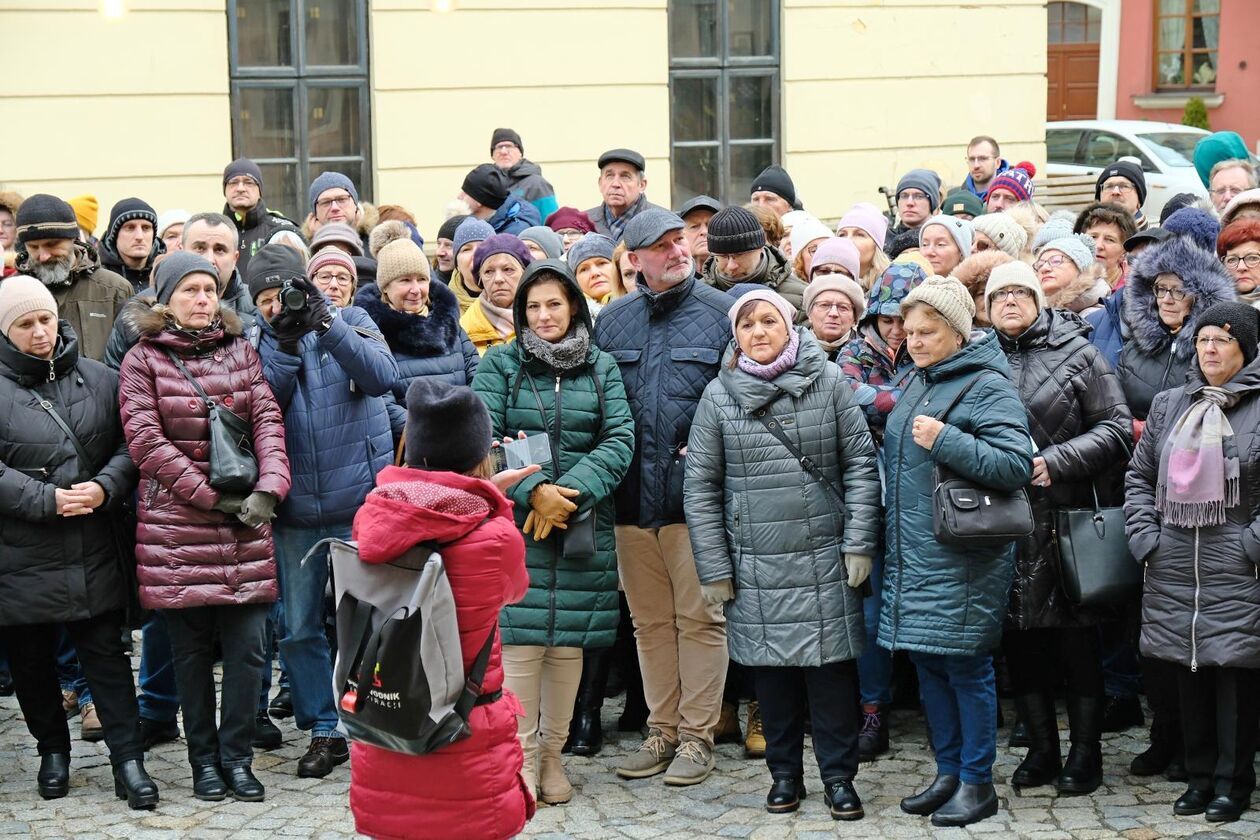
[[787, 358]]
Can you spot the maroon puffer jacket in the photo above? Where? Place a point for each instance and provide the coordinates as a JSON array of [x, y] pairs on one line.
[[188, 554]]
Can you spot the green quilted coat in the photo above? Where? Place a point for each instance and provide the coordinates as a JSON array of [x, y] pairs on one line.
[[570, 603]]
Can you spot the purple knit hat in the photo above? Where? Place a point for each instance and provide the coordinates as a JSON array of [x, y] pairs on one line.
[[838, 251], [501, 243], [866, 217]]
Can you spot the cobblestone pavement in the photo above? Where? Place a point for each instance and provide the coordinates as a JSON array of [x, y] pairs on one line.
[[729, 804]]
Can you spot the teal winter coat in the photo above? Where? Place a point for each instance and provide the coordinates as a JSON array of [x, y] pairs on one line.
[[943, 599], [570, 603]]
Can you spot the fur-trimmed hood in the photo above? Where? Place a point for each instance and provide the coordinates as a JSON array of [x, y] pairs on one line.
[[973, 272], [1084, 293], [435, 334], [1202, 275], [153, 323]]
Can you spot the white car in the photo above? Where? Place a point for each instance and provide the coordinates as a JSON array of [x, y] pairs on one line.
[[1166, 150]]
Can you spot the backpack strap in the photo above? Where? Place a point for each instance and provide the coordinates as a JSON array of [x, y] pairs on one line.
[[472, 685]]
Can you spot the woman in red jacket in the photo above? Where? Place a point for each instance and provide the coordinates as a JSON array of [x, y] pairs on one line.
[[473, 788], [205, 558]]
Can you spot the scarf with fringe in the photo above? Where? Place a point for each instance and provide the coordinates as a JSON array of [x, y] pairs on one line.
[[1198, 467]]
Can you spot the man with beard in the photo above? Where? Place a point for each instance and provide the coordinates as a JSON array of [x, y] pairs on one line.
[[131, 243], [255, 224], [88, 296]]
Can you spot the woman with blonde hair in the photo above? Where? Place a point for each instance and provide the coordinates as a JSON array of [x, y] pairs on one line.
[[868, 229]]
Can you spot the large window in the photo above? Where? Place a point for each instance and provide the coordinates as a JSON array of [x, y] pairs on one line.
[[300, 94], [1186, 36], [724, 95]]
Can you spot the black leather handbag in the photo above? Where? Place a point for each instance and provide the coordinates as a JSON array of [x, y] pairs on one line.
[[1095, 566], [967, 514], [233, 467]]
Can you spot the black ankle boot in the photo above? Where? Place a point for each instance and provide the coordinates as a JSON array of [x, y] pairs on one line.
[[933, 797], [586, 734], [208, 784], [243, 785], [969, 804], [132, 783], [1042, 764], [1082, 772], [843, 800], [54, 775], [785, 795]]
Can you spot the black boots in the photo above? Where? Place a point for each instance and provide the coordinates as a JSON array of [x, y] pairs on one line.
[[1042, 764], [927, 801], [785, 795], [244, 787], [843, 801], [208, 784], [1166, 754], [969, 804], [1082, 772], [586, 735], [132, 783], [54, 775]]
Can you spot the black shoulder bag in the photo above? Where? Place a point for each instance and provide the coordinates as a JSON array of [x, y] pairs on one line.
[[967, 514], [233, 467]]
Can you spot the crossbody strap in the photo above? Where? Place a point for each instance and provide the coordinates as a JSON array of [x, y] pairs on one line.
[[190, 378], [958, 397], [84, 461], [766, 418]]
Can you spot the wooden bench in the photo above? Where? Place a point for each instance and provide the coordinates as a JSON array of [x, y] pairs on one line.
[[1065, 192]]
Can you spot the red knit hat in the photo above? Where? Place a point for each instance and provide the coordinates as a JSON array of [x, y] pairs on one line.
[[1018, 180], [570, 217]]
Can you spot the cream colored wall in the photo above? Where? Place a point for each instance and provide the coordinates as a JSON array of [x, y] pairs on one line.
[[557, 71], [872, 88], [116, 107]]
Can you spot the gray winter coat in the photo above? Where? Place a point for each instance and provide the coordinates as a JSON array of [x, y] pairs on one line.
[[757, 518], [1201, 598]]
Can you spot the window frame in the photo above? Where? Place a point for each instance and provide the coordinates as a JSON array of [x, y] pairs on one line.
[[1187, 51]]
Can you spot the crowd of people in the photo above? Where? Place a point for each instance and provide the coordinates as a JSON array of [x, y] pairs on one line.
[[748, 413]]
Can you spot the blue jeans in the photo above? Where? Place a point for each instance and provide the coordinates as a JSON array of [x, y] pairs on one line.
[[960, 701], [875, 663], [303, 646], [69, 671], [159, 697]]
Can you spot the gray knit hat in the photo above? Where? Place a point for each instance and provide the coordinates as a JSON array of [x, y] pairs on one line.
[[471, 229], [330, 181], [947, 296], [1006, 233], [589, 246], [959, 230], [925, 181], [1079, 248], [177, 266], [545, 238], [734, 230]]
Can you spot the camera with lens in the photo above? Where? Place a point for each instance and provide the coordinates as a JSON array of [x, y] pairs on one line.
[[292, 298]]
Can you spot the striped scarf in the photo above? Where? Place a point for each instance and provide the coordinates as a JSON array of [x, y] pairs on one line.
[[1198, 467]]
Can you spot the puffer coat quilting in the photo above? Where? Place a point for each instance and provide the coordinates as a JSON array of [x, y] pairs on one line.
[[757, 518]]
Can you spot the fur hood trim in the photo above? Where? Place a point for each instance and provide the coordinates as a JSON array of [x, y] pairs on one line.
[[973, 272], [433, 335], [1202, 275], [151, 321], [1085, 291]]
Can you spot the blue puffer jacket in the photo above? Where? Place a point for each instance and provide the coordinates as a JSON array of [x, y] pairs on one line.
[[1110, 331], [514, 215], [668, 347], [943, 599], [431, 345], [336, 428]]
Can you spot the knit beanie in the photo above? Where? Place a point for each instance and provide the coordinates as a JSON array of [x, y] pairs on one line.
[[803, 233], [471, 229], [545, 238], [837, 250], [903, 242], [500, 243], [1200, 225], [949, 297], [243, 166], [1126, 169], [179, 264], [925, 181], [1241, 320], [734, 230], [125, 211], [570, 217], [589, 246], [1078, 247], [1016, 273], [86, 211], [21, 294], [330, 181], [332, 256], [486, 184], [170, 217], [962, 201], [448, 426], [770, 296], [397, 255], [866, 217], [1216, 147], [44, 216], [1056, 227], [337, 233], [506, 135], [1007, 234], [270, 266], [836, 283], [774, 179], [448, 228], [1246, 198], [959, 231], [1175, 203], [1018, 181]]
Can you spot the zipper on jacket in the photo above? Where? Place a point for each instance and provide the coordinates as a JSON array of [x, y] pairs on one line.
[[1194, 620], [52, 371]]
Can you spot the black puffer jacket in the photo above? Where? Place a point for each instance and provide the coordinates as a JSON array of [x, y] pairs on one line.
[[1201, 599], [1153, 359], [1078, 419], [53, 568], [255, 228]]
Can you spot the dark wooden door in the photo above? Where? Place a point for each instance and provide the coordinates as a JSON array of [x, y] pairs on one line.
[[1072, 61]]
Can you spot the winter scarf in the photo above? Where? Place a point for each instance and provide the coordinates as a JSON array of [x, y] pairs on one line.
[[565, 354], [500, 319], [1198, 467], [787, 358]]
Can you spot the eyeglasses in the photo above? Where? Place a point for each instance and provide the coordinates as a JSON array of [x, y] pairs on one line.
[[1169, 292], [911, 195], [1232, 261], [1226, 192], [343, 200], [1118, 187], [980, 159], [242, 181], [1049, 262], [341, 279], [827, 270], [1011, 292], [504, 145], [827, 308], [1221, 341]]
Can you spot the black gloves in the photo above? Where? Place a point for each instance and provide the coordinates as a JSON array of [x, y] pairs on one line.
[[317, 314]]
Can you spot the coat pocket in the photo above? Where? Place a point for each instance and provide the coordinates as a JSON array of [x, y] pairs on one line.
[[690, 370]]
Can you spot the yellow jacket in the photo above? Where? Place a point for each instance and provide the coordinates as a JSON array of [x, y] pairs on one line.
[[480, 331]]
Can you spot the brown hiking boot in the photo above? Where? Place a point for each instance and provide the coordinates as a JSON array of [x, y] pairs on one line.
[[727, 731], [755, 740]]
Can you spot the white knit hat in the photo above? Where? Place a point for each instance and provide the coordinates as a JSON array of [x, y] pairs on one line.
[[958, 229], [1005, 232], [21, 294], [948, 296], [805, 232], [1017, 273]]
